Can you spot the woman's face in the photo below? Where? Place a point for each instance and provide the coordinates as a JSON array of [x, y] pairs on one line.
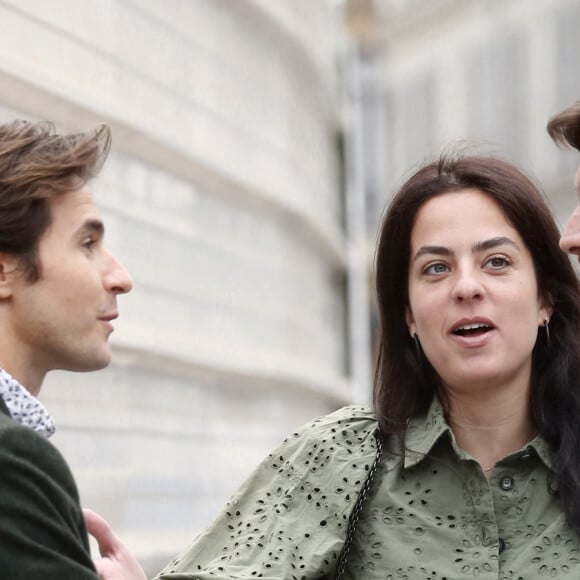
[[473, 296]]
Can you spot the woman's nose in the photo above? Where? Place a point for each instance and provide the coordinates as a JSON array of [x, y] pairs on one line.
[[468, 286]]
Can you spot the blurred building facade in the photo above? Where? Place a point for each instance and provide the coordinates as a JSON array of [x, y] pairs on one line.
[[463, 75], [485, 75], [224, 195]]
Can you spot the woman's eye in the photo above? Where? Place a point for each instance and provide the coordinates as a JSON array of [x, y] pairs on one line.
[[435, 269], [498, 262], [88, 243]]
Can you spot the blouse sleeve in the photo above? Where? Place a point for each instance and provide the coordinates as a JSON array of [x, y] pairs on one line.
[[289, 519]]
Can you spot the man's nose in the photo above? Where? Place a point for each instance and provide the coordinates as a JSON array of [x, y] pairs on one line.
[[117, 279], [570, 240]]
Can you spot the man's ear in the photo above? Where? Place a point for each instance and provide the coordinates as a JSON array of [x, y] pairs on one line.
[[410, 321], [9, 271]]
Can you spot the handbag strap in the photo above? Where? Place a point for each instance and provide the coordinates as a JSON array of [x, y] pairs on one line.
[[357, 509]]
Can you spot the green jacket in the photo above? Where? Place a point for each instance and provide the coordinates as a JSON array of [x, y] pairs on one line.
[[431, 513], [42, 530]]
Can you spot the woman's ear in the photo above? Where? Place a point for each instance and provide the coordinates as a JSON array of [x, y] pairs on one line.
[[545, 315], [410, 321], [547, 308]]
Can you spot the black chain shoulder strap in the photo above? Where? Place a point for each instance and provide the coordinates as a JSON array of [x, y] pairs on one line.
[[358, 506]]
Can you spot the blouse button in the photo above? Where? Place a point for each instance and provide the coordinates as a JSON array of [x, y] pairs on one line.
[[506, 482], [501, 545]]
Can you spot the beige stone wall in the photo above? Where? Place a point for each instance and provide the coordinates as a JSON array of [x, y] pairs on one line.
[[489, 73], [222, 197]]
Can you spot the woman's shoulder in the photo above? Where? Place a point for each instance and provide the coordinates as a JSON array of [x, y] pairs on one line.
[[349, 417], [290, 514], [347, 428]]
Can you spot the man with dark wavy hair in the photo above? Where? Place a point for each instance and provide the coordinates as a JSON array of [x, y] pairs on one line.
[[58, 299], [564, 128]]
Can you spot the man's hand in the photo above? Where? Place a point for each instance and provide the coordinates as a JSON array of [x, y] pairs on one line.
[[117, 562]]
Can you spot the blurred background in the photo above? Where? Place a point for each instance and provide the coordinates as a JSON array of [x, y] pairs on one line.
[[256, 143]]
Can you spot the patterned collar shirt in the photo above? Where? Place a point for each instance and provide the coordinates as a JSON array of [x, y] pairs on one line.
[[23, 407], [430, 514]]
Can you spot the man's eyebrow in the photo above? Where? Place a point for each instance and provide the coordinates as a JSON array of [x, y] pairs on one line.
[[482, 246], [92, 226]]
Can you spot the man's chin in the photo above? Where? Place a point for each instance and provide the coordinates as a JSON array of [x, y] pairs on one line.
[[88, 364]]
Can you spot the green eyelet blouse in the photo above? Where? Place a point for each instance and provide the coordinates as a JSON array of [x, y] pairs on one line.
[[431, 513]]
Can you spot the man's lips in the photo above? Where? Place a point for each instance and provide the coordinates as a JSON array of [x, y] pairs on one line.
[[109, 317], [107, 320]]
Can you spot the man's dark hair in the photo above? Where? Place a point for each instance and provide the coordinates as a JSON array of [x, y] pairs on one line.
[[36, 163], [564, 128]]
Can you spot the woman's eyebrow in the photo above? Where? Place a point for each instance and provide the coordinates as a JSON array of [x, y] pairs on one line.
[[494, 243], [437, 250], [482, 246]]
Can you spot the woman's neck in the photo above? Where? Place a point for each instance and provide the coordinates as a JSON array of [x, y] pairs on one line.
[[490, 428]]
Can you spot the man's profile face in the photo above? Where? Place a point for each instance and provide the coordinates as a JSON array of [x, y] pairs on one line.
[[63, 320], [570, 240]]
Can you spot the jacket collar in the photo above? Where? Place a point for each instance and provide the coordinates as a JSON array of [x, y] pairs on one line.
[[3, 407]]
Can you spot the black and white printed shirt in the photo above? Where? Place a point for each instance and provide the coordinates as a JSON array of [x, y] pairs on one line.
[[24, 407]]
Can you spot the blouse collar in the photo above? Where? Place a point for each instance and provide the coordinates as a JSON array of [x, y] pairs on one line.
[[424, 431]]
